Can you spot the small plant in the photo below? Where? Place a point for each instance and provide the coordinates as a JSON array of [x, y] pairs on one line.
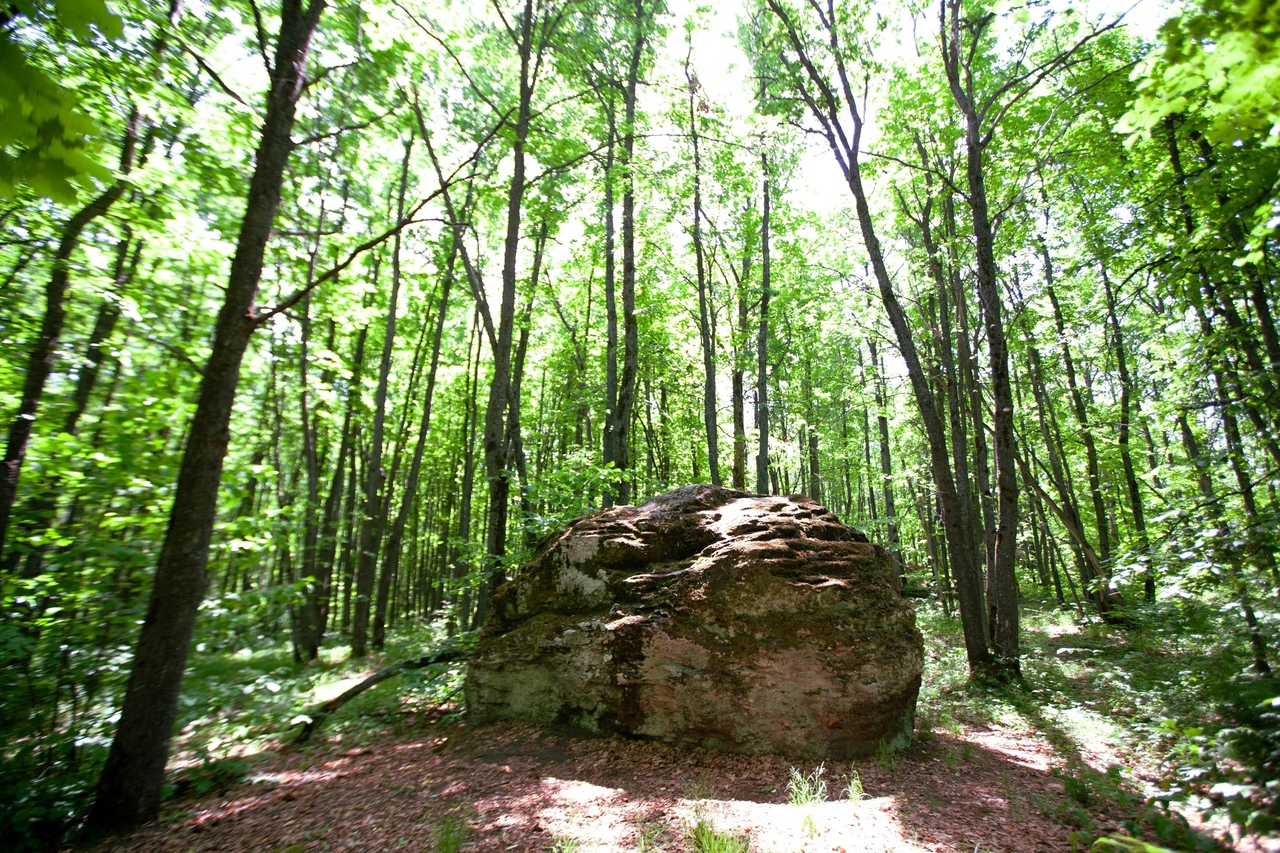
[[707, 840], [649, 837], [805, 790], [1125, 844], [887, 757], [563, 844], [853, 790], [451, 833], [810, 828], [212, 774]]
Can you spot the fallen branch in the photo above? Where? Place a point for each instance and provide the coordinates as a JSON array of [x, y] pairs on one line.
[[316, 716]]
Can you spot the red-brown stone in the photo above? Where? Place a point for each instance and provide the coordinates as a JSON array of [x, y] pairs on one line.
[[707, 617]]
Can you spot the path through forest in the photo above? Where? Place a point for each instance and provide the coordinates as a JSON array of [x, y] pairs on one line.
[[522, 787]]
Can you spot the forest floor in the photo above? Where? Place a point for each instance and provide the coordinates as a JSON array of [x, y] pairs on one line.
[[1049, 770]]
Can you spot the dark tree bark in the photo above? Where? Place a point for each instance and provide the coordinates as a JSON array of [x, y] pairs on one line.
[[530, 43], [886, 459], [762, 337], [42, 509], [630, 327], [1081, 413], [128, 791], [706, 333], [371, 517], [609, 442], [395, 539], [318, 596], [1128, 414], [1002, 584], [391, 558], [843, 131]]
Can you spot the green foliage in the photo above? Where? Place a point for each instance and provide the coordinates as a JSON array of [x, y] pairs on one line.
[[563, 844], [1125, 844], [571, 490], [45, 138], [1221, 61], [650, 836], [210, 774], [707, 839], [46, 786], [853, 789], [1219, 67], [1235, 768], [807, 789], [1125, 691], [450, 834]]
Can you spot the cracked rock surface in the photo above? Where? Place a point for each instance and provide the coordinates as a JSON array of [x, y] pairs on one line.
[[706, 617]]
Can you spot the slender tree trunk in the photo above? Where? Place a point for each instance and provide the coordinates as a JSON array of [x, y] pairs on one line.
[[762, 338], [1002, 584], [611, 422], [1081, 413], [886, 461], [496, 449], [128, 791], [705, 331], [630, 328], [391, 555], [469, 430], [42, 509], [1128, 414], [371, 517]]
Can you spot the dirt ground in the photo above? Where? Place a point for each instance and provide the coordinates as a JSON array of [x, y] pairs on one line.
[[525, 788]]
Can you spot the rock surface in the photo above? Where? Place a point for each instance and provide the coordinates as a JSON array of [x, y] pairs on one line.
[[706, 617]]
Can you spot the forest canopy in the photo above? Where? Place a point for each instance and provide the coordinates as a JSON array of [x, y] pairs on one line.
[[317, 317]]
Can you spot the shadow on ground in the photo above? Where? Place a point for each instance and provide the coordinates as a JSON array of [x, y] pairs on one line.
[[525, 788]]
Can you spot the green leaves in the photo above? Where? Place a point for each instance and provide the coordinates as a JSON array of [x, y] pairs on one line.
[[1222, 64], [46, 141]]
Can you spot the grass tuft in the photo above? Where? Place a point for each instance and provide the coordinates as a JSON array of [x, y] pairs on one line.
[[804, 790]]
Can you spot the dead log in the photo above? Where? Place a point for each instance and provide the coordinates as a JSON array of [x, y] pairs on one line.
[[317, 715]]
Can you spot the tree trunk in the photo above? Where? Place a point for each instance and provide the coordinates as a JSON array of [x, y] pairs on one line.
[[1081, 413], [610, 438], [845, 146], [762, 338], [391, 557], [706, 333], [1002, 584], [371, 518], [128, 791], [886, 462], [1128, 413], [496, 449]]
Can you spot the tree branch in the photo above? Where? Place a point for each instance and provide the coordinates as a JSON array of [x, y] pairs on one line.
[[322, 712]]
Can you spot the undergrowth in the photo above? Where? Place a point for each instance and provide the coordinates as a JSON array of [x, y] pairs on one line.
[[238, 696], [1170, 693]]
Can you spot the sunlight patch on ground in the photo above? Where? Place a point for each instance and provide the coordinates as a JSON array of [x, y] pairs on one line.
[[870, 826], [1098, 739], [333, 689], [599, 819], [1029, 751], [592, 815]]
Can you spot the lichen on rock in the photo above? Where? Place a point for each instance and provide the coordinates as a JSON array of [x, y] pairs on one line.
[[706, 617]]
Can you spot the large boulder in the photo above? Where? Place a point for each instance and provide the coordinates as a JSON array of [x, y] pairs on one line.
[[706, 617]]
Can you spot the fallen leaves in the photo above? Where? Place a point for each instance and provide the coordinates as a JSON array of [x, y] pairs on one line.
[[517, 786]]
